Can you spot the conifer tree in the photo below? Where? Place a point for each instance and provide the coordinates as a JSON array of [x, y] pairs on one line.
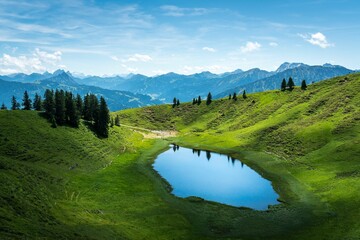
[[229, 96], [283, 85], [174, 102], [60, 107], [208, 99], [194, 101], [79, 104], [90, 108], [234, 96], [303, 85], [37, 104], [177, 102], [49, 103], [290, 84], [3, 107], [72, 113], [53, 121], [117, 120], [244, 95], [199, 100], [14, 104], [102, 119], [26, 101]]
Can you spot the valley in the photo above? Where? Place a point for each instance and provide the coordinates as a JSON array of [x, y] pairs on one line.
[[75, 185]]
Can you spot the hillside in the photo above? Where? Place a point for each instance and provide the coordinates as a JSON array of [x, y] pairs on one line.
[[298, 72], [66, 183], [314, 135]]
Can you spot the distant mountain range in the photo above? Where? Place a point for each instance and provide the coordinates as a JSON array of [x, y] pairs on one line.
[[61, 80], [137, 90]]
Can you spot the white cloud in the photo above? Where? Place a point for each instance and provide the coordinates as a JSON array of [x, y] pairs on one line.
[[51, 58], [129, 69], [250, 47], [159, 72], [317, 39], [39, 61], [175, 11], [208, 49], [138, 58], [273, 44], [115, 58]]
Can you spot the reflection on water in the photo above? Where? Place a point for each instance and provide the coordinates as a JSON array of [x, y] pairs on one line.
[[214, 177]]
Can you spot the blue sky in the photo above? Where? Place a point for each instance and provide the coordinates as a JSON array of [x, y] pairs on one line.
[[155, 37]]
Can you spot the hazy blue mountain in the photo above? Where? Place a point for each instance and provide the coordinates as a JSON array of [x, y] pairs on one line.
[[185, 87], [304, 72], [116, 99], [286, 65]]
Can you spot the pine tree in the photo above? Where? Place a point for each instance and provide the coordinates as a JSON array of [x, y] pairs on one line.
[[102, 119], [199, 100], [234, 96], [26, 101], [60, 107], [290, 84], [37, 104], [49, 103], [208, 99], [79, 104], [174, 102], [194, 101], [3, 107], [303, 85], [283, 85], [117, 120], [72, 113], [90, 108], [14, 104], [177, 102], [244, 95], [229, 96]]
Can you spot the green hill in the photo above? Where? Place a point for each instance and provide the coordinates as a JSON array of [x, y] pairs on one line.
[[66, 183]]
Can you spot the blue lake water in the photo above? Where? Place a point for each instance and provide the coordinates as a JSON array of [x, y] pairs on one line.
[[214, 177]]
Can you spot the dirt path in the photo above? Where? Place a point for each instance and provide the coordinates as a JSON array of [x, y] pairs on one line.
[[148, 133]]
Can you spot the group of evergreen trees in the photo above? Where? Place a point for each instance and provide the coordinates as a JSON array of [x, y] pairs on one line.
[[290, 85], [198, 99], [63, 108], [26, 103], [176, 102], [234, 96]]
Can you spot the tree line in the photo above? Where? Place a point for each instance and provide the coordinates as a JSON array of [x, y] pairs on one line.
[[64, 108]]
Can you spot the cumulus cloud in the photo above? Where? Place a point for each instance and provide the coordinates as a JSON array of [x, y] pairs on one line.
[[273, 44], [39, 61], [175, 11], [115, 58], [138, 58], [250, 47], [317, 39], [129, 69], [208, 49]]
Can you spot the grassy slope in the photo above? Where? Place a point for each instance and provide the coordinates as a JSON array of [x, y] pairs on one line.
[[313, 138], [314, 134]]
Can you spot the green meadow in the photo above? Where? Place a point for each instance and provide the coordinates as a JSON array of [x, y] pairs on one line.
[[65, 183]]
